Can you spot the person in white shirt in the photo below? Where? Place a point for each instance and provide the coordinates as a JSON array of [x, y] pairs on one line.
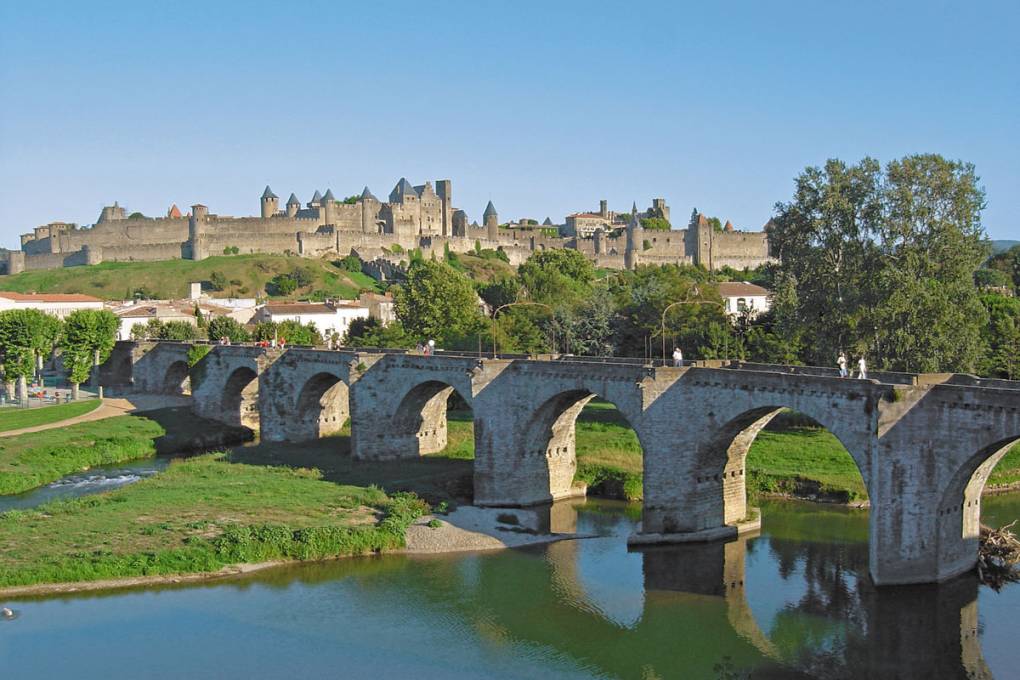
[[862, 369], [678, 357], [841, 362]]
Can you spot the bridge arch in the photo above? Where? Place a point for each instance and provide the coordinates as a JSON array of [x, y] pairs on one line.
[[721, 463], [239, 399], [958, 514], [176, 379], [321, 407], [548, 453], [419, 421]]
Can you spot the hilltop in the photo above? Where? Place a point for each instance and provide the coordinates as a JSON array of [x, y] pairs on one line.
[[239, 276]]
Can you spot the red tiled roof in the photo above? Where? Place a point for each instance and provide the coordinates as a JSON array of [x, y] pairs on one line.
[[300, 308], [48, 297]]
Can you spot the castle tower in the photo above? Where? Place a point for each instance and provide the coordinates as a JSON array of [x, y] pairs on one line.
[[490, 220], [196, 228], [635, 241], [369, 212], [460, 223], [597, 238], [293, 205], [316, 200], [660, 208], [327, 207], [270, 202], [604, 209], [444, 189]]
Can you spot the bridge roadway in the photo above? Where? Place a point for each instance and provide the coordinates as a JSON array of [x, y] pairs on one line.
[[924, 444]]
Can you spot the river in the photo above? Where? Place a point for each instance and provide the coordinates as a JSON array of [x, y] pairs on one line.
[[793, 601]]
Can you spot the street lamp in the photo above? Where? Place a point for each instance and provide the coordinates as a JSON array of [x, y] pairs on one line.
[[687, 301], [511, 304]]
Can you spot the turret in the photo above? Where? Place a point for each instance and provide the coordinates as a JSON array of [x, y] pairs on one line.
[[604, 209], [270, 202], [316, 200], [490, 220], [196, 226], [369, 211], [328, 207], [635, 241], [293, 205]]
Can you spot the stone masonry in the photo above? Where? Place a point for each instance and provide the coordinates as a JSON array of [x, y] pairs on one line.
[[924, 444]]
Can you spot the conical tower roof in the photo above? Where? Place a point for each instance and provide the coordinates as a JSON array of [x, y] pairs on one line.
[[329, 196], [366, 195], [268, 193], [547, 223], [316, 197], [402, 189], [293, 200], [490, 209]]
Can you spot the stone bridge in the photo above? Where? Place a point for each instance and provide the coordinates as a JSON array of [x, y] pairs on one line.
[[924, 444]]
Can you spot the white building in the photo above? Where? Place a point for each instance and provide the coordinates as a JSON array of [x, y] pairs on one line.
[[381, 307], [57, 304], [741, 297], [329, 318], [133, 313]]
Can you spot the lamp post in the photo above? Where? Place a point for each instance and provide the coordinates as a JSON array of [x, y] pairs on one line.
[[687, 301], [511, 304]]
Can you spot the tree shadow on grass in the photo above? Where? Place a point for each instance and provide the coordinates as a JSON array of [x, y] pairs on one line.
[[185, 432], [435, 478]]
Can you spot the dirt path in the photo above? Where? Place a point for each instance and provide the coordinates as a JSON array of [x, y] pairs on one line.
[[111, 407]]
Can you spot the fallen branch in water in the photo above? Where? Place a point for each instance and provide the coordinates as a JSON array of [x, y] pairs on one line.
[[998, 556]]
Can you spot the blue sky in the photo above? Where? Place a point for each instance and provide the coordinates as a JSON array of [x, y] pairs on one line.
[[544, 107]]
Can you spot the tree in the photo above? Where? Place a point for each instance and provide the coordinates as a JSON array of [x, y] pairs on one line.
[[369, 332], [89, 335], [179, 330], [293, 332], [437, 302], [882, 262], [558, 277], [217, 280], [590, 330], [500, 292], [281, 284], [227, 327], [26, 335], [656, 224], [1001, 337]]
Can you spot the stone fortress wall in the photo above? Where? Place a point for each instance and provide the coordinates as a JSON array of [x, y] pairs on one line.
[[413, 217]]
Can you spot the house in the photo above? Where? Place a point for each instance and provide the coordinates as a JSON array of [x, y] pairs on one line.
[[381, 307], [329, 317], [134, 313], [56, 304], [741, 297]]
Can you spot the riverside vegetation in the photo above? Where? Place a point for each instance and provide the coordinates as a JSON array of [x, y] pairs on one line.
[[15, 418], [308, 501]]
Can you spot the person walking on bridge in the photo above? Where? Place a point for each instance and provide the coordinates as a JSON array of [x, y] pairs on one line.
[[841, 362], [678, 357], [862, 368]]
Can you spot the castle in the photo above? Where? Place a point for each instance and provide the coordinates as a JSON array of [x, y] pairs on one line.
[[414, 217]]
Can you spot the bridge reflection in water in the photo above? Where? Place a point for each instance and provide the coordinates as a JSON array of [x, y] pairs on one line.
[[792, 602]]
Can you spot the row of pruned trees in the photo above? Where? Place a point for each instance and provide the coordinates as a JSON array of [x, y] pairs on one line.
[[29, 336]]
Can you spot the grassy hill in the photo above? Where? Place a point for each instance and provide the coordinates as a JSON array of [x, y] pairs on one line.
[[246, 276]]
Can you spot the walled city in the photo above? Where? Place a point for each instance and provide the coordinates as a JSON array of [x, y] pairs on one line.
[[414, 217]]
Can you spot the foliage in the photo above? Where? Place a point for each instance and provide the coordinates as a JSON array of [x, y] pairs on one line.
[[217, 280], [290, 331], [1001, 337], [26, 334], [196, 353], [500, 292], [351, 200], [351, 263], [136, 216], [231, 250], [557, 277], [369, 332], [179, 330], [882, 262], [437, 302], [227, 327], [281, 285], [656, 224], [87, 332]]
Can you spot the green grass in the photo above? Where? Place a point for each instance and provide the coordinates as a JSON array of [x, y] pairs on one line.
[[15, 418], [31, 460], [37, 458], [170, 278], [199, 515]]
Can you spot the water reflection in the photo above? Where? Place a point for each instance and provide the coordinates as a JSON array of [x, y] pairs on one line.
[[792, 602]]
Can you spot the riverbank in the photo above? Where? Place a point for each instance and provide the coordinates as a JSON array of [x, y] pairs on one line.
[[31, 460]]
